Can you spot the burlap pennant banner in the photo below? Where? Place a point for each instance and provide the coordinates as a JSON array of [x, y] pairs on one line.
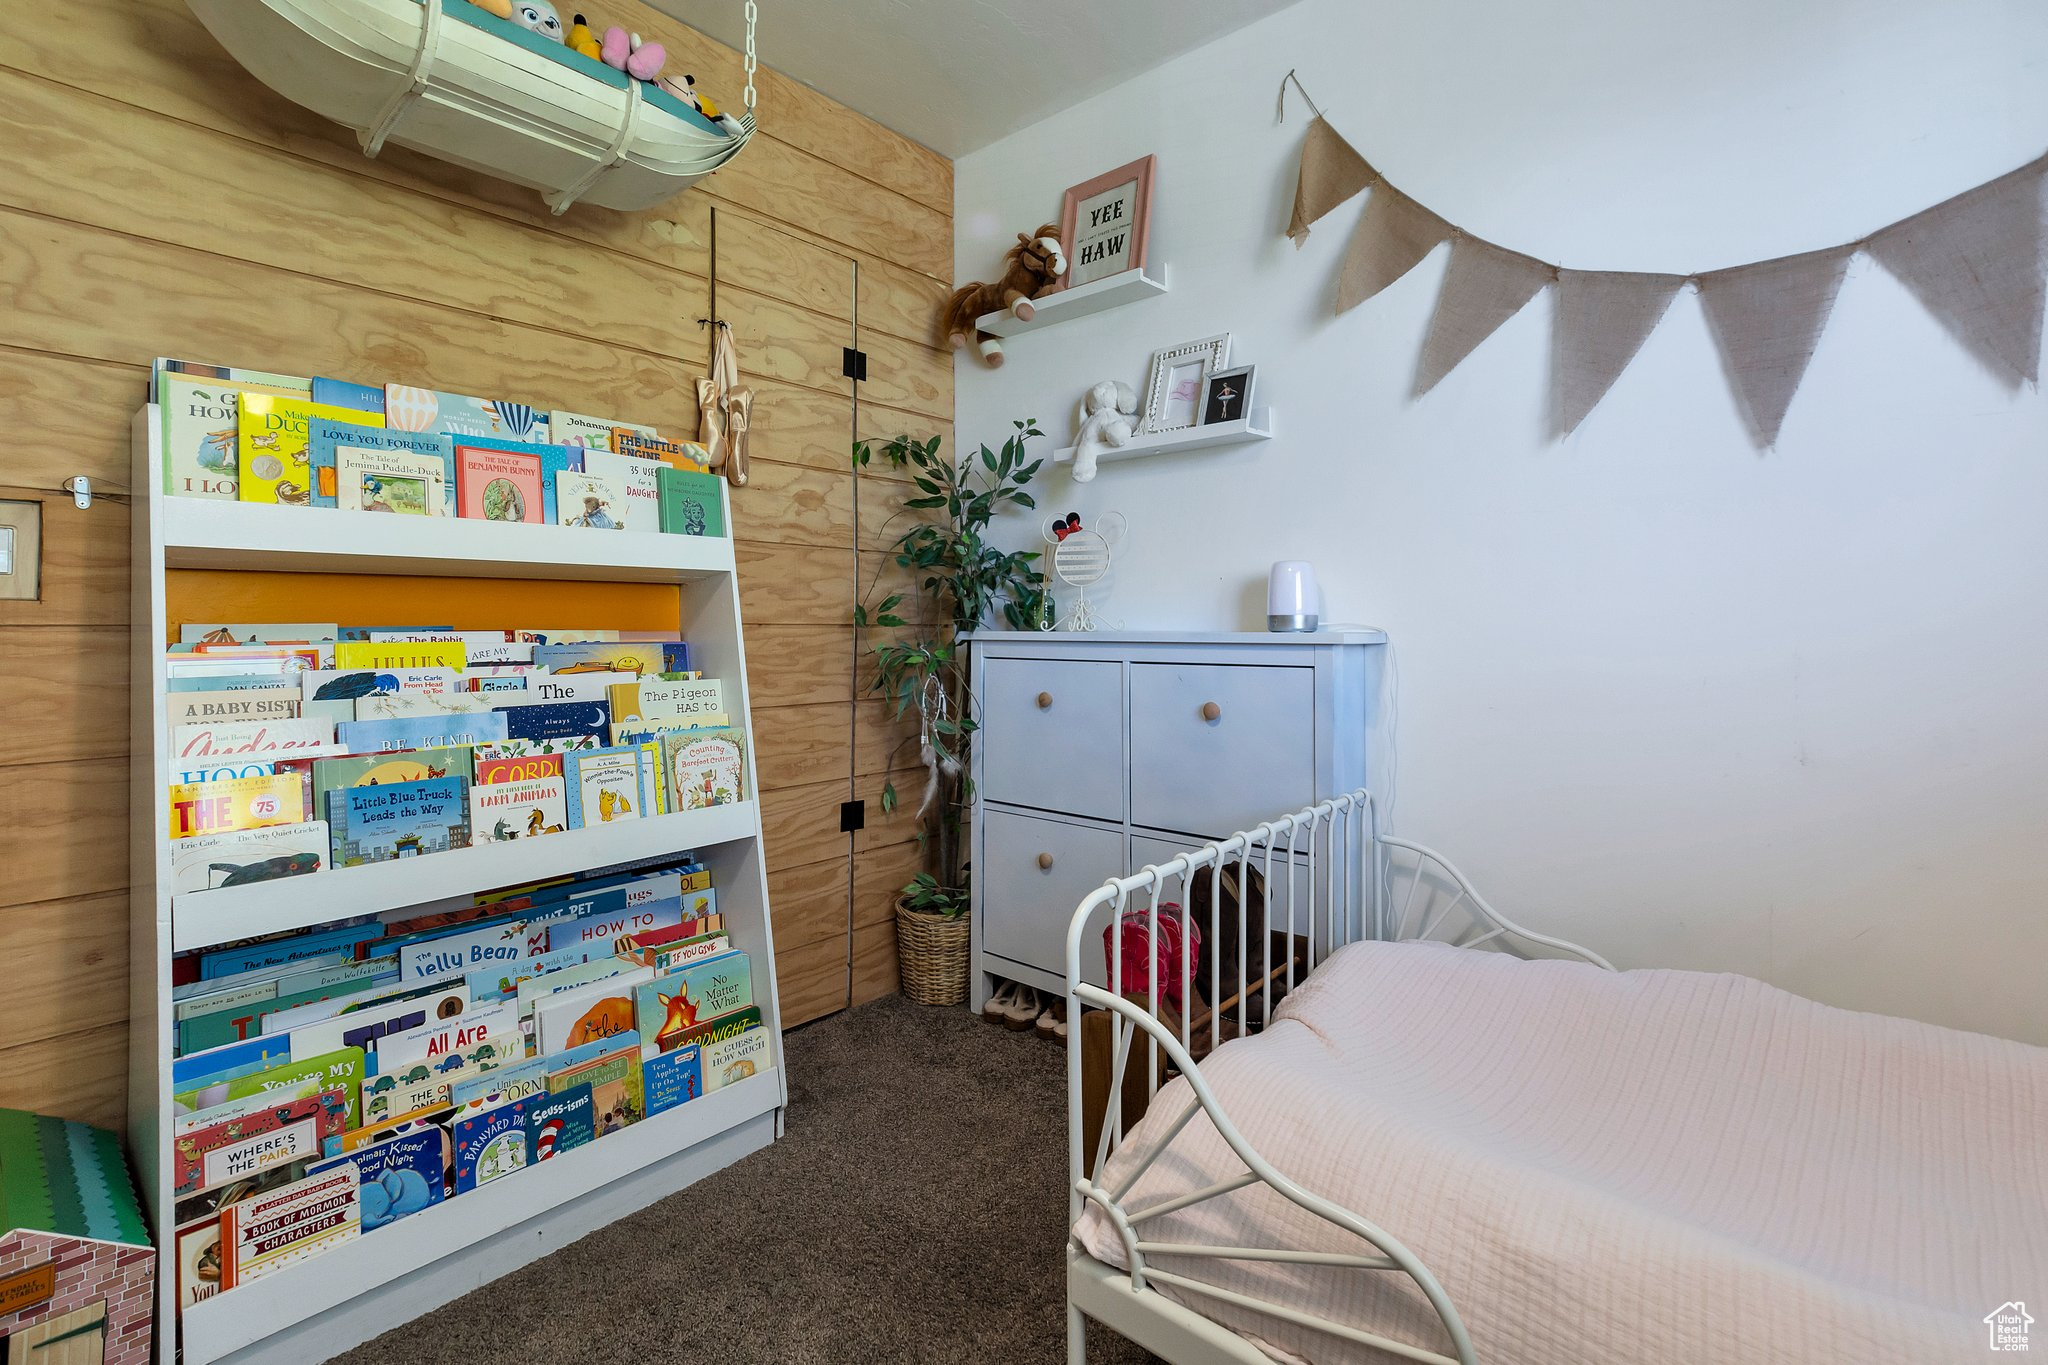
[[1603, 318], [1767, 319], [1484, 287], [1975, 263], [1331, 172], [1393, 234]]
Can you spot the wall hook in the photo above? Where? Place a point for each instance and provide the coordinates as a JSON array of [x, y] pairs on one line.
[[80, 489]]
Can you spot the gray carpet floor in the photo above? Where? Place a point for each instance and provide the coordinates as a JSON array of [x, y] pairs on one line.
[[914, 1211]]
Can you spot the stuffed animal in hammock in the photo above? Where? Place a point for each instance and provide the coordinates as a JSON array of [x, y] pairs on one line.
[[1035, 265]]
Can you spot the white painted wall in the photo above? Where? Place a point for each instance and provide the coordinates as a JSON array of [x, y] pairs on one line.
[[1781, 714]]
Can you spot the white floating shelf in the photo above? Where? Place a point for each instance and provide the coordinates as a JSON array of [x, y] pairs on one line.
[[200, 919], [1096, 296], [249, 1313], [1257, 427], [205, 533]]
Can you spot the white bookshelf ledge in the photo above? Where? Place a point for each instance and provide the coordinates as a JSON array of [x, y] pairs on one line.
[[1257, 427], [203, 533], [1096, 296], [201, 919], [428, 1258]]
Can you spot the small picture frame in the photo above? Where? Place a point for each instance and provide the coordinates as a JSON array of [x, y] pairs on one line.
[[1179, 380], [1227, 396], [1105, 223]]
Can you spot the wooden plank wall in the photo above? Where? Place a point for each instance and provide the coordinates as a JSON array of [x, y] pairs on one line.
[[154, 199]]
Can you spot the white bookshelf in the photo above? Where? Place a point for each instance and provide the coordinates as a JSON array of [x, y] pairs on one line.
[[1083, 300], [1257, 426], [331, 1302]]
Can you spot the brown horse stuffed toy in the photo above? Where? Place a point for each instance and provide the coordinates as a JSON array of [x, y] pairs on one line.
[[1034, 264]]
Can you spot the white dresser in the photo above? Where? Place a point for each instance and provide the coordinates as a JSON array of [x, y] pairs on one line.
[[1101, 752]]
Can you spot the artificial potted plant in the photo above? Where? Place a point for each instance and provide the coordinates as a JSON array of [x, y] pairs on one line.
[[962, 583]]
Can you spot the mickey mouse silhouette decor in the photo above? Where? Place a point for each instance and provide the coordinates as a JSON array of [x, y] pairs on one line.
[[1080, 559]]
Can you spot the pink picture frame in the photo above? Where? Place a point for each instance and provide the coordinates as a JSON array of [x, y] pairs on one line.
[[1117, 242]]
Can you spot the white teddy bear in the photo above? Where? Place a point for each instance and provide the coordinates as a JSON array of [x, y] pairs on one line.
[[1109, 413]]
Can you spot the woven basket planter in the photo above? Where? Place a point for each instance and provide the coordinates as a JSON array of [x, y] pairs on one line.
[[931, 951]]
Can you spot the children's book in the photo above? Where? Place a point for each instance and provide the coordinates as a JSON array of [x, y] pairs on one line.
[[500, 943], [658, 698], [240, 857], [672, 1078], [407, 705], [413, 1091], [339, 1070], [526, 809], [422, 732], [227, 1111], [590, 501], [678, 956], [327, 442], [679, 454], [291, 1130], [250, 956], [365, 1026], [490, 1140], [638, 657], [607, 785], [255, 632], [542, 463], [724, 1026], [637, 479], [562, 720], [735, 1058], [597, 931], [245, 740], [236, 803], [382, 770], [544, 688], [484, 1037], [416, 409], [585, 1014], [197, 1255], [492, 768], [351, 684], [378, 655], [220, 1064], [234, 682], [648, 949], [402, 820], [277, 702], [201, 429], [390, 481], [566, 636], [616, 1098], [499, 485], [400, 1174], [481, 647], [689, 503], [668, 1007], [340, 393], [595, 433], [263, 1235], [212, 1028], [556, 748], [705, 767], [513, 1081], [559, 1123], [272, 435]]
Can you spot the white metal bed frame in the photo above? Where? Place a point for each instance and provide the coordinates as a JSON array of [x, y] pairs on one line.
[[1372, 886]]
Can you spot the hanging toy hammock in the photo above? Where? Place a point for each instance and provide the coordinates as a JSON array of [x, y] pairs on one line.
[[446, 78]]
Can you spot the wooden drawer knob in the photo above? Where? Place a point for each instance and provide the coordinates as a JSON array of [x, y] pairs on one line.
[[1044, 700], [1045, 862], [1211, 711]]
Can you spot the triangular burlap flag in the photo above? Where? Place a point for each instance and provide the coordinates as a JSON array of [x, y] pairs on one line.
[[1331, 172], [1766, 319], [1975, 262], [1483, 287], [1602, 319], [1393, 234]]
